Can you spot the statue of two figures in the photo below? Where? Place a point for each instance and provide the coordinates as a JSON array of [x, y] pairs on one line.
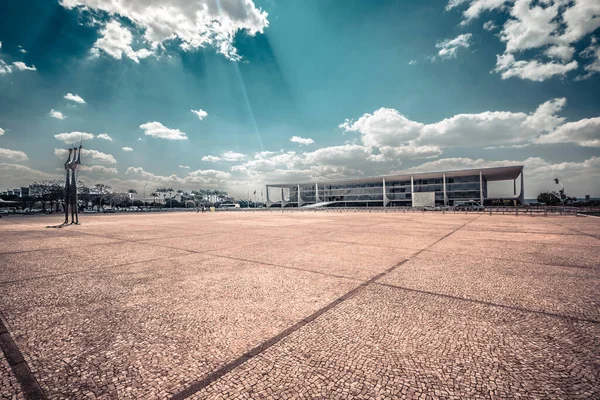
[[73, 161]]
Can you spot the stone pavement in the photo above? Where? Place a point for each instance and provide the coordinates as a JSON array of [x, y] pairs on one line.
[[302, 305]]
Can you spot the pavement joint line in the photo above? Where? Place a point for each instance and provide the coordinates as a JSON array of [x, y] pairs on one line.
[[489, 303], [87, 270], [29, 385], [54, 248], [256, 351], [575, 230], [287, 267], [513, 260]]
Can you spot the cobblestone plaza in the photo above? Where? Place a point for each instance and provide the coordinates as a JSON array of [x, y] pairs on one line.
[[300, 305]]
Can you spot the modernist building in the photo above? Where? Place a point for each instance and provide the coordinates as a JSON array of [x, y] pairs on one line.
[[439, 188]]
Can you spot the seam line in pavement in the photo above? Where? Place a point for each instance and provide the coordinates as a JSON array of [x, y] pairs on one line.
[[225, 369], [573, 229], [488, 303], [213, 376], [29, 385]]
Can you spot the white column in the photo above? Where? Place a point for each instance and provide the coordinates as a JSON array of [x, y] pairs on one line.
[[299, 198], [481, 187], [268, 199], [412, 191], [445, 194], [317, 200], [522, 195], [282, 198], [385, 199]]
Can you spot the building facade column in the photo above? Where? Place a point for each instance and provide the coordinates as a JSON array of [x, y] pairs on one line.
[[300, 202], [522, 195], [385, 198], [480, 187], [317, 199], [268, 198], [412, 191], [445, 193], [282, 198]]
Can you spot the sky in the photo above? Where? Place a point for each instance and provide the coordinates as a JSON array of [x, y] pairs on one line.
[[235, 94]]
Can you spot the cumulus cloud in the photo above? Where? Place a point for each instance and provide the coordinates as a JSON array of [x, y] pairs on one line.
[[449, 47], [5, 68], [75, 98], [490, 26], [2, 131], [126, 149], [207, 177], [57, 114], [184, 167], [412, 62], [12, 155], [548, 30], [72, 137], [592, 52], [98, 169], [104, 136], [21, 66], [158, 130], [192, 23], [16, 175], [116, 42], [387, 128], [301, 140], [229, 156], [88, 156], [200, 113]]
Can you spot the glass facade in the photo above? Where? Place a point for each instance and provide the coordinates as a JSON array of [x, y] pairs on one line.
[[383, 191]]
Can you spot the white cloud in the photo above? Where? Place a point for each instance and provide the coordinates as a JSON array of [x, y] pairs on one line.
[[21, 66], [98, 169], [301, 140], [116, 42], [12, 155], [73, 137], [208, 177], [211, 158], [585, 132], [184, 167], [75, 98], [393, 133], [533, 70], [16, 175], [2, 131], [547, 30], [126, 149], [5, 68], [57, 114], [200, 113], [592, 52], [104, 136], [412, 62], [490, 26], [158, 130], [88, 156], [195, 24], [385, 127], [449, 47], [233, 156], [22, 50]]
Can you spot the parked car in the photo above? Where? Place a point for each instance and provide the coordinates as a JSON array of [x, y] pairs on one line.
[[430, 208], [470, 205]]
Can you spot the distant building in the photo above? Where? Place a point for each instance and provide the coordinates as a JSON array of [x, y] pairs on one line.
[[419, 189]]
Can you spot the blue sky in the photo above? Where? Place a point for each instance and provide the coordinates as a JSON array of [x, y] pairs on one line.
[[286, 90]]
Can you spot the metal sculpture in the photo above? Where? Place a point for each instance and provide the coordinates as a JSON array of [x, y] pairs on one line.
[[71, 185]]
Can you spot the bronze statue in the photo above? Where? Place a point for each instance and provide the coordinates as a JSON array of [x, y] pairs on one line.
[[73, 167], [67, 188], [71, 185]]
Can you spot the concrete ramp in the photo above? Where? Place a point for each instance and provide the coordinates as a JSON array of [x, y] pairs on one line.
[[321, 204]]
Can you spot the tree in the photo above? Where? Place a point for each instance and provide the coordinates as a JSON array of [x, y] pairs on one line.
[[132, 191], [48, 192], [549, 198], [102, 190]]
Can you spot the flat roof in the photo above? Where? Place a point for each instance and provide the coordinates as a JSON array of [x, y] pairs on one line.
[[490, 174]]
